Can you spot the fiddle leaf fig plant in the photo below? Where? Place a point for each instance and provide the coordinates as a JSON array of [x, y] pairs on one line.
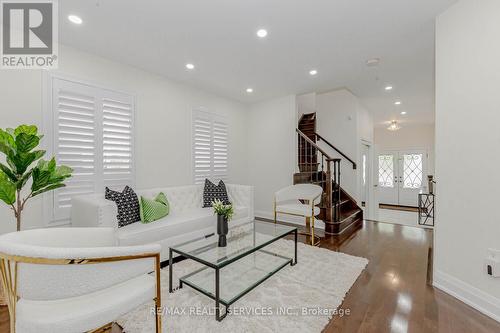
[[19, 147]]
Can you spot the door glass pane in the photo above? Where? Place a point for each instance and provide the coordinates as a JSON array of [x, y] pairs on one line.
[[386, 171], [412, 171]]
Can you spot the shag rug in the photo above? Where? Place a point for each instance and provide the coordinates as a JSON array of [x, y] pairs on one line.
[[301, 298]]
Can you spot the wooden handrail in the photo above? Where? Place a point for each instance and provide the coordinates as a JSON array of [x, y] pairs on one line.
[[328, 158], [336, 149]]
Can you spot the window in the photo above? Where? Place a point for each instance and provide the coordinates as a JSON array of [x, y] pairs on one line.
[[412, 171], [210, 147], [92, 130], [386, 170]]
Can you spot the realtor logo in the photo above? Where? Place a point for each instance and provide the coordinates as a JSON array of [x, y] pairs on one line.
[[29, 34]]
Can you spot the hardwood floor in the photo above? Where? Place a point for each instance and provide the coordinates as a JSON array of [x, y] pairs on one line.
[[392, 294]]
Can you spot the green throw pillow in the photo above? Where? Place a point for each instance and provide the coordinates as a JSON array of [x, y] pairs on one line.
[[154, 209]]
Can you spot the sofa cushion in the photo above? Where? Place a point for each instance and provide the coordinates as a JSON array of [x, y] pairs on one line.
[[153, 209], [173, 224], [213, 192], [127, 203]]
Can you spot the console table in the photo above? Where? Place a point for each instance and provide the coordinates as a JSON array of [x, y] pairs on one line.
[[426, 211]]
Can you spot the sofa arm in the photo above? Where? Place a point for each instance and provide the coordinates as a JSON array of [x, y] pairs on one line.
[[242, 195], [93, 211]]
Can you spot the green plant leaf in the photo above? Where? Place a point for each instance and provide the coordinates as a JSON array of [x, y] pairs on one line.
[[7, 190], [52, 165], [8, 138], [48, 188], [12, 164], [42, 164], [12, 176], [27, 129], [5, 149], [41, 178], [47, 174], [37, 154], [26, 142], [24, 179], [22, 161], [7, 143], [63, 171]]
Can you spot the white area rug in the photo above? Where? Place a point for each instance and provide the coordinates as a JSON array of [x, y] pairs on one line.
[[319, 281]]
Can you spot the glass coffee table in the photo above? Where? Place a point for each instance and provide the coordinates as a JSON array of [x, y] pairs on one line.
[[232, 271]]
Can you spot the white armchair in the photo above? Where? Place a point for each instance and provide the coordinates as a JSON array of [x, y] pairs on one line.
[[289, 201], [63, 280]]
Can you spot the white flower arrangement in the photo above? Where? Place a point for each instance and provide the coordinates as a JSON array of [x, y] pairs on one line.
[[225, 210]]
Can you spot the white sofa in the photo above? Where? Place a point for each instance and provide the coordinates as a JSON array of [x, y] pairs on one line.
[[187, 219]]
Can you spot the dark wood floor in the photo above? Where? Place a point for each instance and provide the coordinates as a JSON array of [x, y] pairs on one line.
[[392, 293]]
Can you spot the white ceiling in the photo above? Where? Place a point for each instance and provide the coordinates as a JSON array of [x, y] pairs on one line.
[[218, 36]]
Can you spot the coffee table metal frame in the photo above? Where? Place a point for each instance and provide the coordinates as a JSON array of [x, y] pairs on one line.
[[217, 268]]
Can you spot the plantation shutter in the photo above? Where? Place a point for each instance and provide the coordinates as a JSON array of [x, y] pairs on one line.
[[219, 150], [93, 134], [117, 136], [75, 141], [210, 147]]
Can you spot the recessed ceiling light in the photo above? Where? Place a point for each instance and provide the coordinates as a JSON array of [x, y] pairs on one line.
[[313, 72], [403, 112], [249, 90], [397, 103], [261, 33], [388, 88], [189, 66], [75, 19]]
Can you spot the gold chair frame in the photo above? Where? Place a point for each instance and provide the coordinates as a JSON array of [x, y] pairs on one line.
[[9, 266], [309, 220]]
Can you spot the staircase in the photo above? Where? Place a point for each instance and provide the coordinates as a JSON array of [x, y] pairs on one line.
[[339, 210]]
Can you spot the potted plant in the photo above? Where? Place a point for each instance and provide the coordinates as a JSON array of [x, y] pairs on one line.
[[224, 215], [19, 147]]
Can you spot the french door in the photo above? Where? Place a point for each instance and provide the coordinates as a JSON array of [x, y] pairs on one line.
[[401, 176]]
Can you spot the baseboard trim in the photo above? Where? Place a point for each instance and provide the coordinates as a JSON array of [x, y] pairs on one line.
[[288, 218], [470, 295]]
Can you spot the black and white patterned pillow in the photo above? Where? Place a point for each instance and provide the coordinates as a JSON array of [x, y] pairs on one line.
[[212, 192], [127, 203]]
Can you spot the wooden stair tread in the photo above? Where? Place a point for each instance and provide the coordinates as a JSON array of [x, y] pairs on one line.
[[344, 215]]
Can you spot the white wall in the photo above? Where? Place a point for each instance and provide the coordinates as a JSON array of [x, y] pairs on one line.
[[467, 145], [344, 122], [271, 150], [163, 113], [306, 103], [410, 136]]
